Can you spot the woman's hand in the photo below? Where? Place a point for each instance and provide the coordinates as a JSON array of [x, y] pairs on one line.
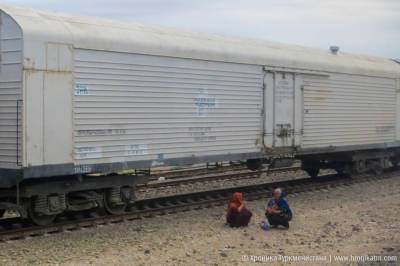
[[273, 211]]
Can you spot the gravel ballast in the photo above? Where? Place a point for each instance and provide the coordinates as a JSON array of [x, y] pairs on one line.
[[363, 219]]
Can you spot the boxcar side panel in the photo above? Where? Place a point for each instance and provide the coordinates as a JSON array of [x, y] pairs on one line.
[[130, 107], [33, 116], [343, 110]]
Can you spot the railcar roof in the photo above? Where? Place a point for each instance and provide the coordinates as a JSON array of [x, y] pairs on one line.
[[104, 34]]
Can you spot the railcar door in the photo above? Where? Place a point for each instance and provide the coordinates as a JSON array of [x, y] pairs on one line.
[[279, 97]]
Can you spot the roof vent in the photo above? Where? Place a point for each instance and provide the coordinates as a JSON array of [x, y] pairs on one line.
[[334, 49]]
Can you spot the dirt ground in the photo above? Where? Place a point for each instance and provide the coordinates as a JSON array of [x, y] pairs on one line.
[[355, 220]]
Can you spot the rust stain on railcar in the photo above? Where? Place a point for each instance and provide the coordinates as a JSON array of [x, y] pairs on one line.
[[322, 96]]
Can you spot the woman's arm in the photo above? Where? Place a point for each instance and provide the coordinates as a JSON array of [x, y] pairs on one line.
[[273, 211]]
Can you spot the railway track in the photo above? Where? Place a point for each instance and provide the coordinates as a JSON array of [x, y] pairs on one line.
[[244, 174], [12, 230], [195, 171]]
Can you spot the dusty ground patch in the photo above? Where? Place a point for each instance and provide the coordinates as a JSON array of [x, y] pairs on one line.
[[359, 220]]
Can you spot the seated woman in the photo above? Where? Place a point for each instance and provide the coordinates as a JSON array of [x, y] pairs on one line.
[[278, 211], [237, 214]]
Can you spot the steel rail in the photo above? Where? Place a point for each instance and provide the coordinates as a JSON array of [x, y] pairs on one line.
[[173, 174], [247, 174], [184, 202]]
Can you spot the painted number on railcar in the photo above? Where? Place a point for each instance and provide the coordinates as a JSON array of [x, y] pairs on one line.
[[81, 89], [385, 129], [100, 132], [159, 161], [201, 134], [88, 153], [203, 103], [81, 169], [136, 149]]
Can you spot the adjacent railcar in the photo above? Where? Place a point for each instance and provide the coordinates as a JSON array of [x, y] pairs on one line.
[[83, 99]]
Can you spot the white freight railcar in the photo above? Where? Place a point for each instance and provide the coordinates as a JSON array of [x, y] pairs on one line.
[[85, 95], [100, 96]]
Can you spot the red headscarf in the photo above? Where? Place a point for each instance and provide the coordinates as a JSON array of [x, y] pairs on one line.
[[236, 201]]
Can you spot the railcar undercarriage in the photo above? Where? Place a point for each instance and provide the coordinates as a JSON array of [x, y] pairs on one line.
[[41, 200], [352, 162]]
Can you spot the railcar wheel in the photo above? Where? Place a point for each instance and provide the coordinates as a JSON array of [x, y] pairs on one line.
[[312, 167], [395, 162], [254, 164], [376, 167], [39, 218], [312, 172], [340, 171], [92, 213], [113, 203]]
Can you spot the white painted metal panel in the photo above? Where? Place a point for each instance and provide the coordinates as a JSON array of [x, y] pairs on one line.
[[283, 100], [283, 109], [342, 110], [33, 115], [131, 107], [48, 110], [10, 93], [298, 109], [41, 28], [57, 118], [269, 110]]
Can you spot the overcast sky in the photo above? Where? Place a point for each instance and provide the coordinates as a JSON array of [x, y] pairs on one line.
[[360, 26]]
